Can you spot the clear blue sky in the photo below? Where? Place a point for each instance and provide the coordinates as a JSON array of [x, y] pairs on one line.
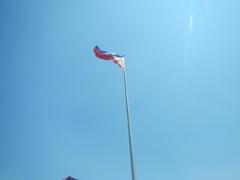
[[62, 111]]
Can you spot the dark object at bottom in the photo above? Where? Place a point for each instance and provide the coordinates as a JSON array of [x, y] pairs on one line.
[[70, 178]]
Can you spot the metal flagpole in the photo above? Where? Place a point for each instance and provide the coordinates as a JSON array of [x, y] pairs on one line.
[[129, 127]]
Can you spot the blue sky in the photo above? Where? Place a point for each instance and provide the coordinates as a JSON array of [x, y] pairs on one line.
[[63, 112]]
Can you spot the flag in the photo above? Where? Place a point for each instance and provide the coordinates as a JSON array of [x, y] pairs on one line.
[[117, 59]]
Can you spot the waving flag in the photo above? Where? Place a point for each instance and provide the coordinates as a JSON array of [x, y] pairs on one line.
[[117, 59]]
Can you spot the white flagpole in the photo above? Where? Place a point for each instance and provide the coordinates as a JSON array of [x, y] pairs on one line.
[[129, 127]]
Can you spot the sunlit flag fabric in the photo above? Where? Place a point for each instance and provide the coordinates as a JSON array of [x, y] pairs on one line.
[[117, 59]]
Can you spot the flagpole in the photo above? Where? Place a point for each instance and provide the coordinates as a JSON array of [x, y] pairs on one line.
[[129, 127]]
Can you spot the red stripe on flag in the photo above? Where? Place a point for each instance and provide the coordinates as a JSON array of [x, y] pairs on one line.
[[101, 55]]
